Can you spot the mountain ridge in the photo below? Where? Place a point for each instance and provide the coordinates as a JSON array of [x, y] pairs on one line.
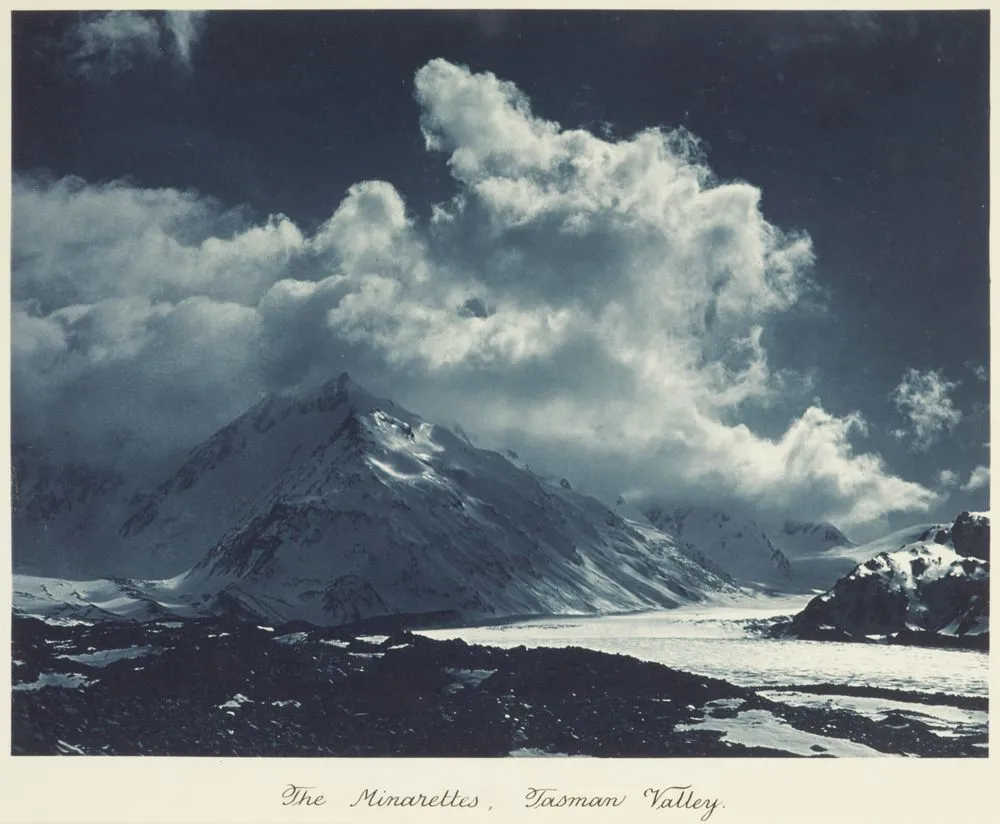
[[340, 505], [927, 591]]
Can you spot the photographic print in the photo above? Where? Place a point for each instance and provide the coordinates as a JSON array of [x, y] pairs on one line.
[[484, 384]]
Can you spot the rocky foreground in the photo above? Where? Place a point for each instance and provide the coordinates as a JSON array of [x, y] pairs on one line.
[[236, 689]]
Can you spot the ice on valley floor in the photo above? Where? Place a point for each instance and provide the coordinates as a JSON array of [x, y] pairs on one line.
[[56, 679], [57, 621], [713, 640], [760, 728], [941, 718], [102, 658], [292, 638], [534, 752], [235, 702], [466, 678]]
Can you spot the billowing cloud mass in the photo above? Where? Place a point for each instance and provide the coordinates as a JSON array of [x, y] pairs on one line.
[[599, 305], [924, 399], [979, 478], [108, 43]]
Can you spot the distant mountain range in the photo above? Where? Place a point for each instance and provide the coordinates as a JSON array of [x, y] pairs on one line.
[[339, 506], [788, 556]]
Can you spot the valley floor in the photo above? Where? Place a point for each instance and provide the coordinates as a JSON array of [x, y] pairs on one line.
[[214, 688], [730, 638]]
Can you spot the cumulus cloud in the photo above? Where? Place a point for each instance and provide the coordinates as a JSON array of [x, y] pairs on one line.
[[923, 398], [104, 44], [600, 305], [117, 240], [979, 477]]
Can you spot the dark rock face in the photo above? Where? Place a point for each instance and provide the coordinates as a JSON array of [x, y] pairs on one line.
[[858, 606], [971, 535], [43, 490]]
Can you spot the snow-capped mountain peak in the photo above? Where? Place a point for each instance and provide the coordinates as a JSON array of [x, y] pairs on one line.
[[340, 505], [925, 589]]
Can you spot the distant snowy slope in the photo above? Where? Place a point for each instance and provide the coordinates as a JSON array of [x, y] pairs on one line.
[[798, 539], [739, 546], [61, 601], [789, 556], [819, 553], [340, 506]]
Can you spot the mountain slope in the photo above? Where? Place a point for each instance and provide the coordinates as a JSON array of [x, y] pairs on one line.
[[342, 506], [818, 553], [799, 539], [924, 591], [739, 546], [60, 510]]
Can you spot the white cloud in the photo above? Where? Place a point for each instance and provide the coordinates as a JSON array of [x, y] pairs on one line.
[[111, 43], [979, 370], [621, 299], [104, 44], [186, 28], [947, 479], [923, 398], [116, 240], [979, 477]]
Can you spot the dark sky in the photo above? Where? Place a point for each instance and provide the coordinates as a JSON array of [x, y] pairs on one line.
[[868, 132]]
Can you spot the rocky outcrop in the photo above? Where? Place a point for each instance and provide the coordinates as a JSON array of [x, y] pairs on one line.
[[923, 593], [970, 535]]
